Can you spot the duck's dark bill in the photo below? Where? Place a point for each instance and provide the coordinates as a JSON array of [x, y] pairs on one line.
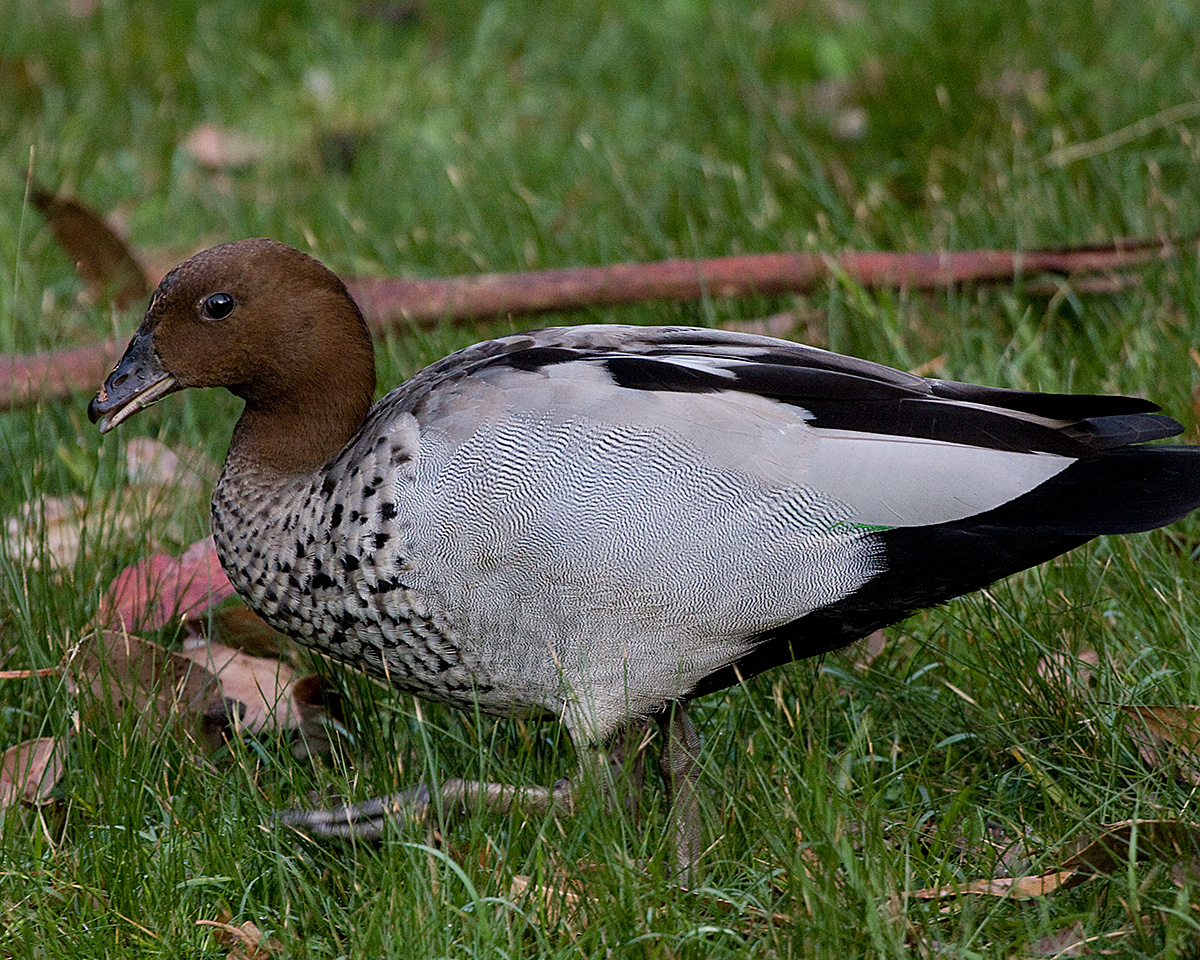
[[136, 382]]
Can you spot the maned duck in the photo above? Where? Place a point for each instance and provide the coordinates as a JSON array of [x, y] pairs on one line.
[[600, 523]]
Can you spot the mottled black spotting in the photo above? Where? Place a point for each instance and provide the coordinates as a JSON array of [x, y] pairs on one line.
[[272, 595], [349, 562], [335, 517], [327, 487], [381, 539], [400, 455], [537, 357], [387, 510], [323, 581], [299, 550], [368, 492]]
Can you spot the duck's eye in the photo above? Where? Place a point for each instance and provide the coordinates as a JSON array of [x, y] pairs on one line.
[[216, 306]]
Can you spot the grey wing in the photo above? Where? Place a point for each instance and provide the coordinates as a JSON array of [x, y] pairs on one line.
[[611, 509]]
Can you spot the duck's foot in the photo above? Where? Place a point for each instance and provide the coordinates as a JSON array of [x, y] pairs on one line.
[[368, 820], [622, 782]]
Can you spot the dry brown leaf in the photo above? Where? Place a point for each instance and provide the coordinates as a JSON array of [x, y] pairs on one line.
[[1167, 841], [263, 685], [561, 902], [105, 263], [29, 771], [51, 529], [112, 670], [1168, 736], [866, 650], [320, 716], [219, 148], [1062, 668], [158, 589], [245, 940], [1068, 942], [151, 463], [1017, 888], [55, 529], [241, 628], [316, 708], [1176, 724]]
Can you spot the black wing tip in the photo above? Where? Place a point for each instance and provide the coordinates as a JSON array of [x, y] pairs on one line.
[[1053, 406]]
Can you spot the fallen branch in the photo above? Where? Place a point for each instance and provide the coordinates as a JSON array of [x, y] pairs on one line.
[[388, 302]]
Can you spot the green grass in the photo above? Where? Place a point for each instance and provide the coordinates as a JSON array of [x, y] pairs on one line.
[[504, 136]]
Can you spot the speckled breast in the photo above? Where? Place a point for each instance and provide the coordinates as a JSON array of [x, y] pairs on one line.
[[328, 567]]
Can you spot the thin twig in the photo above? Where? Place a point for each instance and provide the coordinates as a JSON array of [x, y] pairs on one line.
[[27, 674], [1167, 117]]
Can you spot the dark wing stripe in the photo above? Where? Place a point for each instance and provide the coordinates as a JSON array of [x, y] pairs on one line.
[[1052, 406], [792, 385], [934, 420], [537, 357], [838, 400], [846, 393], [644, 373]]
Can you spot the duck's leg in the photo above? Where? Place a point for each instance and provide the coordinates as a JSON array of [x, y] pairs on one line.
[[368, 820], [625, 754], [679, 762]]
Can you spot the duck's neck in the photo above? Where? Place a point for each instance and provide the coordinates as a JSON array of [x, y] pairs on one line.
[[299, 419], [293, 442]]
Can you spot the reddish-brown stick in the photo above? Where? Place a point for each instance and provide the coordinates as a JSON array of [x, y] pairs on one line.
[[388, 301]]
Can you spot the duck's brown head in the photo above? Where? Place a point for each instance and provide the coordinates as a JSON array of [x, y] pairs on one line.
[[272, 325]]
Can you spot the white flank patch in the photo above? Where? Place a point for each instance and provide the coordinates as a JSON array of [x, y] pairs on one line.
[[910, 481]]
